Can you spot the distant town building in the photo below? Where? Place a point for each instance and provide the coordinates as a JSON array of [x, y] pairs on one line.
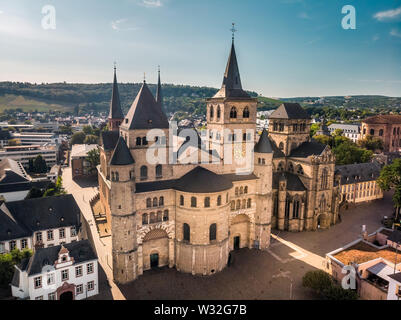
[[323, 131], [4, 137], [385, 127], [376, 263], [350, 131], [15, 183], [358, 182], [66, 272], [37, 138], [24, 153], [80, 166], [39, 223]]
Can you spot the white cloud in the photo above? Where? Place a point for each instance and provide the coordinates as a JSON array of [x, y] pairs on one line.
[[396, 33], [1, 12], [151, 3], [388, 15], [123, 25]]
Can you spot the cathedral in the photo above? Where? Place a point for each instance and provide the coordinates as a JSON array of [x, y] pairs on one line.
[[190, 215]]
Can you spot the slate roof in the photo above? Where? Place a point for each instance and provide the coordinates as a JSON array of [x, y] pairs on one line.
[[384, 119], [23, 186], [121, 155], [290, 111], [23, 218], [155, 186], [108, 139], [277, 153], [201, 180], [264, 145], [81, 251], [145, 112], [232, 87], [395, 236], [294, 183], [12, 171], [309, 148], [115, 104], [359, 172], [396, 276]]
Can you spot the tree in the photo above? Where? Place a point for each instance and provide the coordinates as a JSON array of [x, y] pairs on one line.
[[14, 142], [324, 139], [34, 193], [39, 165], [91, 139], [338, 132], [88, 130], [78, 138], [94, 158], [349, 153], [7, 263], [371, 143], [390, 179], [314, 128]]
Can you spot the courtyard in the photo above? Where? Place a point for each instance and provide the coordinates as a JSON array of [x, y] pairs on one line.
[[274, 274]]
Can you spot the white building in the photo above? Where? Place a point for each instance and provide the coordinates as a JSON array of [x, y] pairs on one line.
[[24, 153], [37, 138], [351, 131], [48, 222], [68, 272]]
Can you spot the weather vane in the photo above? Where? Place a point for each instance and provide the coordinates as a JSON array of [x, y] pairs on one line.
[[233, 30], [144, 77], [115, 65]]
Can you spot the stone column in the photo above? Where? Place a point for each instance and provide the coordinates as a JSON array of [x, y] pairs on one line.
[[171, 253], [302, 216], [140, 259]]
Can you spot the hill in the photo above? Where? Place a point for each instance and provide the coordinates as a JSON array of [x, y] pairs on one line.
[[96, 97]]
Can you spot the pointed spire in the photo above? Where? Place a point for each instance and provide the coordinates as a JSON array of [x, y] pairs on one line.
[[264, 145], [232, 86], [159, 93], [121, 155], [115, 104]]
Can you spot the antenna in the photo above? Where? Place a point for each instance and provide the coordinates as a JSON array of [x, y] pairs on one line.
[[233, 30]]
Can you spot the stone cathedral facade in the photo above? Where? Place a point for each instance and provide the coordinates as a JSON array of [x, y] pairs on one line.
[[191, 215]]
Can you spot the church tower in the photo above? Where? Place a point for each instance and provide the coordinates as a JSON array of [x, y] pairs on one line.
[[116, 115], [123, 214], [231, 113]]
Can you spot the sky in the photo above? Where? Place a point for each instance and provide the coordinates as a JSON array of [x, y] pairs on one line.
[[285, 48]]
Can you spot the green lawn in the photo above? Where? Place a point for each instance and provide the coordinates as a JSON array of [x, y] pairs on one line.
[[10, 101]]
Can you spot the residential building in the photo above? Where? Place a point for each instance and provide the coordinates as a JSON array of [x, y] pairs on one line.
[[37, 138], [376, 263], [385, 127], [350, 131], [64, 272], [80, 166], [359, 182], [39, 223]]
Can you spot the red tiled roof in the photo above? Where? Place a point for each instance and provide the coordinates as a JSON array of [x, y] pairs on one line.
[[385, 119]]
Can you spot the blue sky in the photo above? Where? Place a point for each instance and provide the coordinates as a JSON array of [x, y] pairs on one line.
[[285, 48]]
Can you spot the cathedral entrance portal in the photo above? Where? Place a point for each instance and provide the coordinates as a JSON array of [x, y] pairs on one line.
[[237, 243], [154, 261]]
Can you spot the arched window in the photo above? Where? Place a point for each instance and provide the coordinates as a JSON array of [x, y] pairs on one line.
[[165, 215], [295, 210], [324, 179], [236, 191], [244, 204], [144, 141], [218, 112], [161, 201], [144, 173], [233, 113], [213, 232], [372, 132], [246, 113], [155, 202], [238, 204], [219, 200], [211, 112], [249, 204], [300, 170], [145, 219], [281, 146], [159, 171], [181, 200], [246, 190], [207, 202], [287, 208], [275, 207], [187, 232], [138, 141], [153, 217], [280, 167], [233, 205], [193, 202], [281, 127], [275, 126], [159, 216], [241, 190], [148, 203], [322, 204], [381, 132], [291, 168]]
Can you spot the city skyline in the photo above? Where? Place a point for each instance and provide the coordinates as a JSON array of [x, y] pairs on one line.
[[287, 48]]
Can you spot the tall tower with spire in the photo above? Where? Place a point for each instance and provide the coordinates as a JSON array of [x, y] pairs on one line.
[[231, 113], [159, 93], [116, 115]]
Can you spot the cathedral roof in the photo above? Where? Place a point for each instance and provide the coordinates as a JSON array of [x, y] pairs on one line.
[[109, 139], [115, 104], [121, 155], [294, 183], [264, 145], [290, 111], [201, 180], [358, 172], [309, 148], [232, 87], [145, 112]]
